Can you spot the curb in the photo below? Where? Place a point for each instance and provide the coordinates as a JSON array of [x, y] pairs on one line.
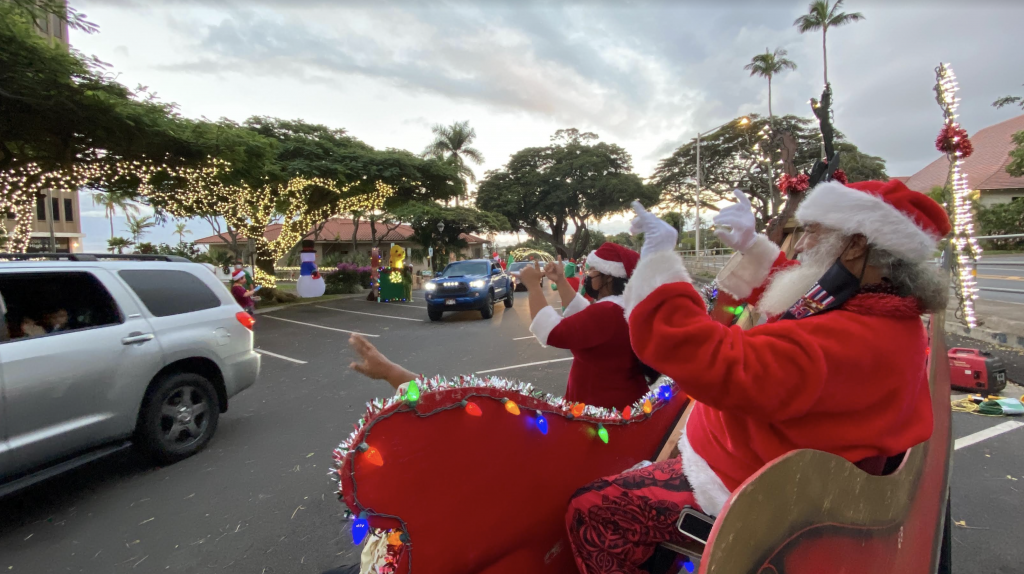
[[322, 299], [986, 335]]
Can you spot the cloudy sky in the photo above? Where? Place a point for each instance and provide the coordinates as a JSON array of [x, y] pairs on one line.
[[645, 75]]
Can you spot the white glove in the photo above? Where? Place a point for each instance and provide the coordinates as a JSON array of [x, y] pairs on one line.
[[658, 235], [735, 225]]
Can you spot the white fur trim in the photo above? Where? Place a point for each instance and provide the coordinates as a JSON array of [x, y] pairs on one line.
[[652, 272], [544, 323], [613, 268], [616, 299], [709, 490], [578, 303], [745, 272], [851, 211]]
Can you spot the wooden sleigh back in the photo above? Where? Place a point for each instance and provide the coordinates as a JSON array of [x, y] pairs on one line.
[[811, 512]]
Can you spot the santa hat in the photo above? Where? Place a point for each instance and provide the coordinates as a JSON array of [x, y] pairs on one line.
[[614, 259], [238, 275], [890, 215]]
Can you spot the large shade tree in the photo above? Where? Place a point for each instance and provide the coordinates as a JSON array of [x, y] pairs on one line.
[[572, 182], [447, 240], [822, 15]]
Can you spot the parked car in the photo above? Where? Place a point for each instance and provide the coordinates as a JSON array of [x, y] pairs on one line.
[[475, 284], [516, 267], [98, 354]]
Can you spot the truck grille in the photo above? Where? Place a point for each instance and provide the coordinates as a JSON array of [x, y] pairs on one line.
[[452, 288]]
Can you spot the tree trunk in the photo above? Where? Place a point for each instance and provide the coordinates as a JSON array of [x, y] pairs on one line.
[[769, 100], [355, 233], [824, 52], [111, 227]]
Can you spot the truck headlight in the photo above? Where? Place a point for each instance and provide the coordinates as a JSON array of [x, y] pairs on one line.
[[431, 286], [476, 284]]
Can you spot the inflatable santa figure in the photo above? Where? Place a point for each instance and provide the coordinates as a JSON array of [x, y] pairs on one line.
[[311, 283]]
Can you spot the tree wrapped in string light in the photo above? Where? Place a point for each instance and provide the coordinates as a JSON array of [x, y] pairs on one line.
[[954, 143]]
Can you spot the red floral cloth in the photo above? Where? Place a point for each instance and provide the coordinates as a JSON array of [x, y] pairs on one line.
[[616, 523]]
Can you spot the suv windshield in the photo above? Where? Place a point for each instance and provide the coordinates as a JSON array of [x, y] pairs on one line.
[[517, 266], [463, 268]]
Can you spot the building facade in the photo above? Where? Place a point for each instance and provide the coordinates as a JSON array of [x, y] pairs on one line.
[[57, 221]]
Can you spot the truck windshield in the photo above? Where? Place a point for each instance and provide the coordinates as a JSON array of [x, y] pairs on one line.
[[463, 268]]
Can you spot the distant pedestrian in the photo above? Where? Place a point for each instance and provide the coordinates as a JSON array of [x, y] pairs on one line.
[[241, 295]]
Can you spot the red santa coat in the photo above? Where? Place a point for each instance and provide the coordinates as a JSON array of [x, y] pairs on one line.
[[850, 381], [605, 372]]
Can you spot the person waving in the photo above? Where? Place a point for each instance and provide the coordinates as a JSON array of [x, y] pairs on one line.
[[605, 372]]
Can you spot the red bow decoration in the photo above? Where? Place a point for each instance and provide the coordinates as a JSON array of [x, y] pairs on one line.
[[953, 139], [788, 184]]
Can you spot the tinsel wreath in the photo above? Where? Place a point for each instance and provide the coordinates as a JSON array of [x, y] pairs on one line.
[[953, 139], [790, 183], [475, 473]]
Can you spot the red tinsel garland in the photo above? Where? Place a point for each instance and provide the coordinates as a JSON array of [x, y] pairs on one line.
[[953, 139], [788, 184], [840, 176]]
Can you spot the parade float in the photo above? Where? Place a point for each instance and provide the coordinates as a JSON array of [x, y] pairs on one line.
[[394, 282]]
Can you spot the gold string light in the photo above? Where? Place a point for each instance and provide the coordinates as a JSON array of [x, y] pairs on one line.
[[967, 251]]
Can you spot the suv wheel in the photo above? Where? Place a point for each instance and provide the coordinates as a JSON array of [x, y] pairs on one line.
[[510, 298], [178, 417], [488, 309], [434, 313]]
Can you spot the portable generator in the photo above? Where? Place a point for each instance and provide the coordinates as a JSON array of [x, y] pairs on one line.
[[975, 370]]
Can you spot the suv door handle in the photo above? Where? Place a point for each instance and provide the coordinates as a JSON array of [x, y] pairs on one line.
[[137, 337]]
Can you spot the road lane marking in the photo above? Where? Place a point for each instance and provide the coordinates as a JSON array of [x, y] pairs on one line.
[[262, 352], [319, 326], [523, 365], [521, 338], [371, 314], [986, 434]]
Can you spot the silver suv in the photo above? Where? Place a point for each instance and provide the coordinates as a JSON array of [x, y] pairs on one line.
[[98, 353]]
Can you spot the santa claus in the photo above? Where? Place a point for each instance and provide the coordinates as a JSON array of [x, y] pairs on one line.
[[605, 372], [839, 367]]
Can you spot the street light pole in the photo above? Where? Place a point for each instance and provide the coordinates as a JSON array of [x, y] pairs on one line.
[[696, 235]]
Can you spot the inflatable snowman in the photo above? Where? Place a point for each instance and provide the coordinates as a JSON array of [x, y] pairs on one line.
[[310, 283]]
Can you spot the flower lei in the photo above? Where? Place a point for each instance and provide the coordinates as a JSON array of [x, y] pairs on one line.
[[953, 139]]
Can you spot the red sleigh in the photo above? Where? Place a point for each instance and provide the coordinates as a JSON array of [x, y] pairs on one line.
[[480, 489]]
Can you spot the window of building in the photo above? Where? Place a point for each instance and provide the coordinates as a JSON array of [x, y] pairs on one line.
[[48, 304], [12, 215], [168, 292], [41, 207], [55, 208], [69, 209], [58, 29], [43, 23]]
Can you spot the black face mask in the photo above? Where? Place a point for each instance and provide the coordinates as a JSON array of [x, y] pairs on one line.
[[834, 288], [588, 288]]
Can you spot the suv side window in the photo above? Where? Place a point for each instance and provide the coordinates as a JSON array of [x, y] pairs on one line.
[[167, 292], [50, 303]]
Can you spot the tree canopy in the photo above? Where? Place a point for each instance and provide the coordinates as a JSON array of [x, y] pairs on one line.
[[571, 182], [423, 217]]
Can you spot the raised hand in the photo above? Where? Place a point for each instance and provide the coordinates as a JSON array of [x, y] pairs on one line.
[[531, 275], [658, 234], [735, 225], [555, 271]]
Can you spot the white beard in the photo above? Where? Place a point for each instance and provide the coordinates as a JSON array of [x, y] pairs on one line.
[[789, 285]]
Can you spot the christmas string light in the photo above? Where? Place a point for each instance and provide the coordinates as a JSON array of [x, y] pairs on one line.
[[965, 246]]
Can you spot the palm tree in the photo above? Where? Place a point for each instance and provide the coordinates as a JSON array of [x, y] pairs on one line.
[[181, 230], [453, 143], [139, 226], [821, 16], [118, 244], [111, 201], [767, 65]]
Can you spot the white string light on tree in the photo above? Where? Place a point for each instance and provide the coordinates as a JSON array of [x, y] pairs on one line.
[[953, 141]]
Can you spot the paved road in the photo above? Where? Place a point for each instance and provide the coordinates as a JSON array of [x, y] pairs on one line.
[[996, 272], [259, 500]]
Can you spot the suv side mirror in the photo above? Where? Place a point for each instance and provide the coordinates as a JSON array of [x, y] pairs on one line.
[[495, 271]]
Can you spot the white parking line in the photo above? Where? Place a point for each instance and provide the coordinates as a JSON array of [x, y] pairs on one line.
[[262, 352], [986, 434], [371, 314], [397, 304], [319, 326], [523, 365], [521, 338]]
